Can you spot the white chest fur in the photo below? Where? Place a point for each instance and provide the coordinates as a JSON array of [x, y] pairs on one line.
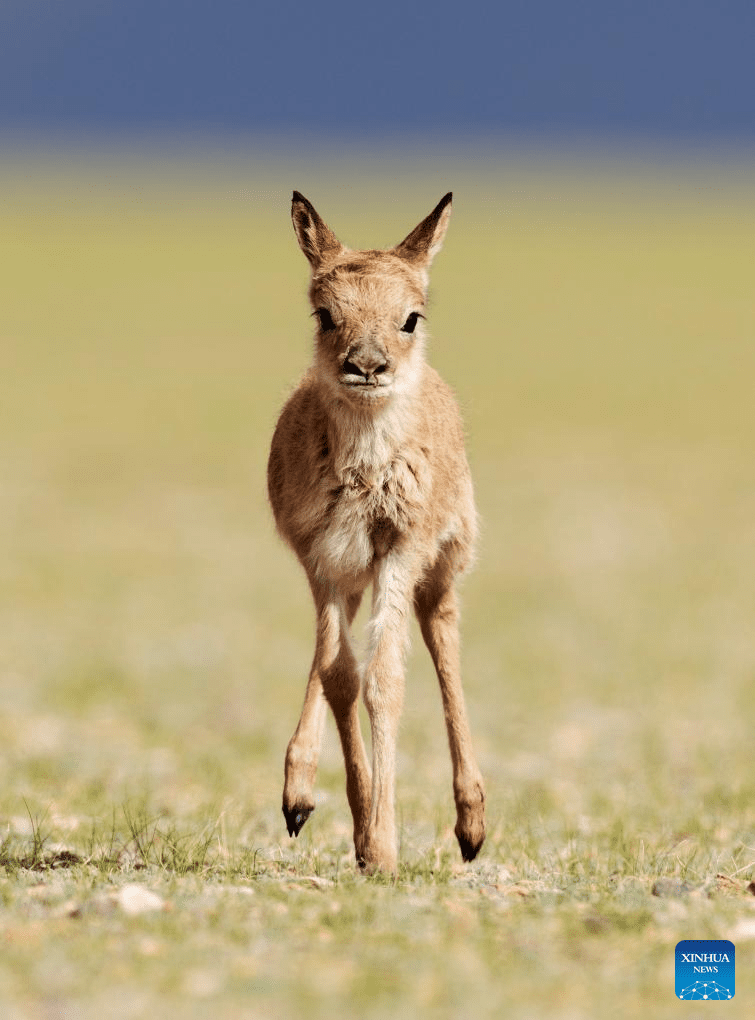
[[367, 512]]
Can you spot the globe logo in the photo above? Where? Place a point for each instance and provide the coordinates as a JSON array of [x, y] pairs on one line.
[[705, 990]]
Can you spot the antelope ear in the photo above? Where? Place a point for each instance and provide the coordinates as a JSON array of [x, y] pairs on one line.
[[423, 244], [315, 237]]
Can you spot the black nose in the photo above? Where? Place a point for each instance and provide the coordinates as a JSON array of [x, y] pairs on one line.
[[367, 365]]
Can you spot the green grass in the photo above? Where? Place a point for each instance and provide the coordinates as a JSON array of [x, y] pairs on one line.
[[598, 326]]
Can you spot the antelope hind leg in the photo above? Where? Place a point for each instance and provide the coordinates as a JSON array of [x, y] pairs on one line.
[[438, 614]]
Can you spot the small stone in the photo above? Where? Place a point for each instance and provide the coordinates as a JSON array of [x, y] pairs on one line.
[[671, 887], [317, 882], [136, 899]]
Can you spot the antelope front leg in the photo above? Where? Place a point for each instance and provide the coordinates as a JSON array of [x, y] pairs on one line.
[[438, 614], [335, 679], [383, 696], [303, 750], [302, 755]]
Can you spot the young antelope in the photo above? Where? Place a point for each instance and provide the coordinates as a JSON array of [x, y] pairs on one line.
[[369, 484]]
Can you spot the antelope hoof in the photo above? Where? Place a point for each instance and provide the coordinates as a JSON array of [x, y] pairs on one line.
[[469, 848], [296, 817], [469, 843], [376, 855], [376, 867]]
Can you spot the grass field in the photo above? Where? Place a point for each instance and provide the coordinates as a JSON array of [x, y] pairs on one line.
[[598, 324]]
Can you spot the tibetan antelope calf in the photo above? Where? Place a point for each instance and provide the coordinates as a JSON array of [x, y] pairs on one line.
[[369, 484]]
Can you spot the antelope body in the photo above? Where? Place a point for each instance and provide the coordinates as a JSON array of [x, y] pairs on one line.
[[369, 484]]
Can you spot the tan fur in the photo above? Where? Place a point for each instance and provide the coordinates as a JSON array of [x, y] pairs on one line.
[[369, 484]]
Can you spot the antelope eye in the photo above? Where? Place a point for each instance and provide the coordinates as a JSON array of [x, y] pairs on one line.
[[325, 319], [410, 323]]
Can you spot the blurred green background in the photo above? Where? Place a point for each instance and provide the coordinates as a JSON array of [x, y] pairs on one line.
[[594, 313]]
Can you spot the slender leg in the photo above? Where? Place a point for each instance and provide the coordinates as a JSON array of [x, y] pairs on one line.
[[302, 756], [341, 683], [437, 610], [383, 696], [334, 679]]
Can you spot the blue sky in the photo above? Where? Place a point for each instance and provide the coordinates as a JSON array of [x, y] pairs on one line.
[[659, 69]]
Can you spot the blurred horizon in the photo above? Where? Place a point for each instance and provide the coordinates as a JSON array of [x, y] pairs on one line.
[[242, 165]]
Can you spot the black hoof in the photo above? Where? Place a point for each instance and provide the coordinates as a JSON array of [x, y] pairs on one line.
[[295, 819], [468, 850]]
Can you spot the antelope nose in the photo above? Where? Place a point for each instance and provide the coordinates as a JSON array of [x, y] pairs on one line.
[[367, 364]]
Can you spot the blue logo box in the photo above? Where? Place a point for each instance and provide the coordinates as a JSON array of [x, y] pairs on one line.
[[705, 969]]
